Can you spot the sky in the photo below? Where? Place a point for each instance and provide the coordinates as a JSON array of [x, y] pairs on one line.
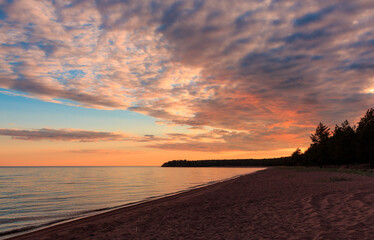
[[141, 82]]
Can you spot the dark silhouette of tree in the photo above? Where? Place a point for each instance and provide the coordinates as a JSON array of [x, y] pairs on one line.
[[343, 144], [321, 135], [297, 156], [297, 153], [282, 161], [320, 141], [365, 135]]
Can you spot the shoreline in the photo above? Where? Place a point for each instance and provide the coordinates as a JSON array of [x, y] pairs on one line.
[[272, 203], [92, 213]]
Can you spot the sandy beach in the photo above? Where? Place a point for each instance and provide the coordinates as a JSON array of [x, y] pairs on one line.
[[270, 204]]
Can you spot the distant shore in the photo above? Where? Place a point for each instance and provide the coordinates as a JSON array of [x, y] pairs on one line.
[[274, 203]]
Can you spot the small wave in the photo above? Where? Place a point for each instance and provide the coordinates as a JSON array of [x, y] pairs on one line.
[[24, 219], [32, 227], [57, 220]]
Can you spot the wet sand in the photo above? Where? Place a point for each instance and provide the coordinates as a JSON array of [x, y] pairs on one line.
[[270, 204]]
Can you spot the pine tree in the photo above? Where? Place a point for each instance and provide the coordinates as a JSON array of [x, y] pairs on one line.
[[320, 143], [365, 132], [322, 134]]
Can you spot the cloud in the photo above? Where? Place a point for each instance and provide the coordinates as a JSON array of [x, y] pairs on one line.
[[74, 135], [314, 16], [241, 66], [215, 140], [61, 135], [101, 151]]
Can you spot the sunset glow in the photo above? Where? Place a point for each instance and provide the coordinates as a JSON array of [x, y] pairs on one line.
[[143, 82]]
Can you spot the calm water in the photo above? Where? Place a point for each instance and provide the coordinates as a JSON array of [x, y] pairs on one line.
[[35, 196]]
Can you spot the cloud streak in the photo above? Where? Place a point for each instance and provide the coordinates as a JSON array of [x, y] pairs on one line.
[[74, 135], [61, 135], [209, 141]]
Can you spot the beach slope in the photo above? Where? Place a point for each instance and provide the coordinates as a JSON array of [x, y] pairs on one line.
[[271, 204]]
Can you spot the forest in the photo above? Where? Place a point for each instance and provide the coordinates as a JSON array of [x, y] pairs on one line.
[[287, 161], [344, 145]]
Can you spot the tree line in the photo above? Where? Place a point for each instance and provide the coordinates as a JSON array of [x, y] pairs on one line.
[[345, 145], [287, 161]]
